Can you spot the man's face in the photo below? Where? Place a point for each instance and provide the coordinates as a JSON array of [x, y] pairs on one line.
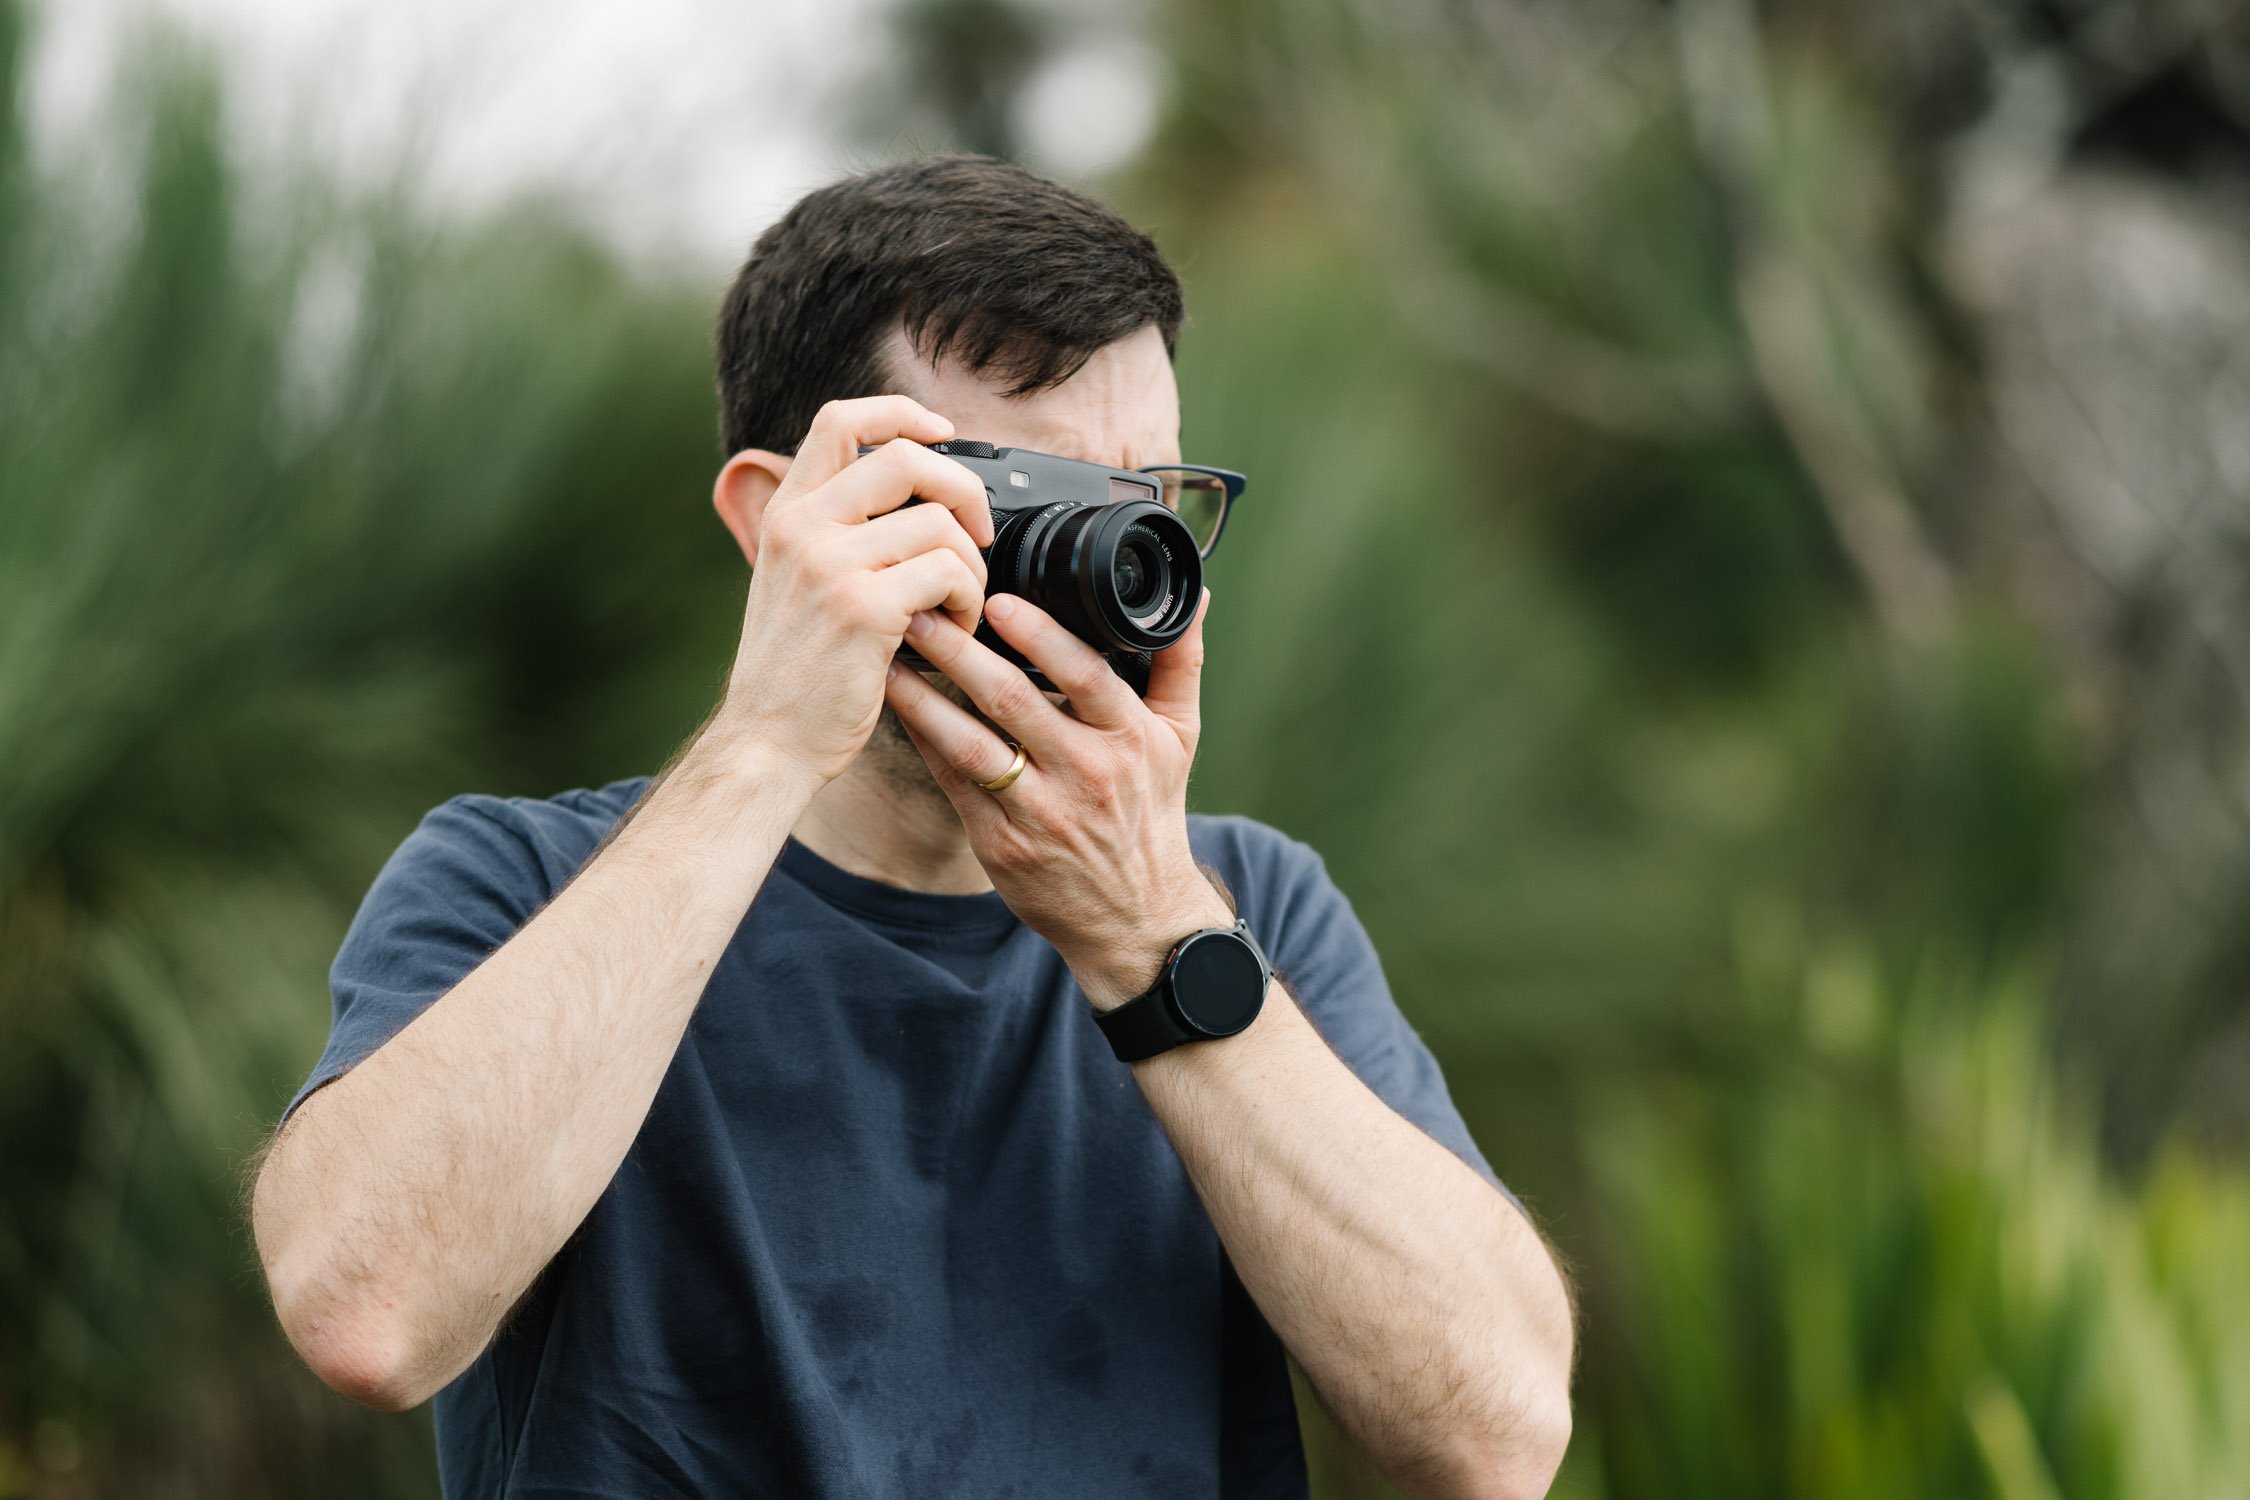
[[1122, 410]]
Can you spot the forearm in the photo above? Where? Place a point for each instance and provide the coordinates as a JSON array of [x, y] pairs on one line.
[[1420, 1303], [410, 1203]]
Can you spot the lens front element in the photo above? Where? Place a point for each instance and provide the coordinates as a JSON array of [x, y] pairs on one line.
[[1139, 573], [1125, 576]]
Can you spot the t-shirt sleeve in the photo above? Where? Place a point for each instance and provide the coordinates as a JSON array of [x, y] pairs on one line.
[[458, 888], [1323, 953]]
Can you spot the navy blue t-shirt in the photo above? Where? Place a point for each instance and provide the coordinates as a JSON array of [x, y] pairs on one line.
[[897, 1223]]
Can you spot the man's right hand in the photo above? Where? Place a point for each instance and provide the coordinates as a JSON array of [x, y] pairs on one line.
[[843, 563], [408, 1204]]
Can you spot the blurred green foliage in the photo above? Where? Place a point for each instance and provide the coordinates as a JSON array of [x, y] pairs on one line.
[[313, 515], [1888, 1261], [1631, 604]]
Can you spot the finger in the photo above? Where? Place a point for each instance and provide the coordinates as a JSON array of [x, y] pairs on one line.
[[980, 811], [957, 736], [996, 685], [841, 428], [904, 470], [1078, 671], [936, 580], [910, 533], [1175, 674]]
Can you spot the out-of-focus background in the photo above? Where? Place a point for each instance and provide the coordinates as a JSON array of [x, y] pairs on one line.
[[1744, 580]]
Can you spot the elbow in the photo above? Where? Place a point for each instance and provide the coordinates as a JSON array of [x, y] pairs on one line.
[[364, 1352], [1507, 1423], [367, 1364], [1519, 1448], [1512, 1457], [1514, 1446], [1520, 1459], [360, 1341]]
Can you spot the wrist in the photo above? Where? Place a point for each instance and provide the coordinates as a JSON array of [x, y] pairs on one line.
[[734, 755], [1126, 965], [735, 798]]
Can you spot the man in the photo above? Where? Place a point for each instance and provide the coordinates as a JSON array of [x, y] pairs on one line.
[[750, 1131]]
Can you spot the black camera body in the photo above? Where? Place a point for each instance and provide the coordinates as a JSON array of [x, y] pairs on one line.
[[1095, 547]]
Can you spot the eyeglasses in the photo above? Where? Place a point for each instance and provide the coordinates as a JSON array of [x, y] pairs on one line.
[[1200, 497]]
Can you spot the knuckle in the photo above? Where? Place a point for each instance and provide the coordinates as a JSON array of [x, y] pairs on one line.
[[939, 478], [915, 530], [957, 480], [854, 606], [858, 612], [1084, 677], [780, 538], [1012, 699], [934, 476], [957, 536], [891, 461]]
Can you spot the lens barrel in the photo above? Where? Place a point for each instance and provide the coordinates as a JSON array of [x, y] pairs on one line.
[[1124, 576]]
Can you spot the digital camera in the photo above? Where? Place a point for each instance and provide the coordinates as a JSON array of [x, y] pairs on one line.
[[1095, 547]]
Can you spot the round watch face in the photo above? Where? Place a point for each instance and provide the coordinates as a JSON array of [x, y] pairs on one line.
[[1218, 983]]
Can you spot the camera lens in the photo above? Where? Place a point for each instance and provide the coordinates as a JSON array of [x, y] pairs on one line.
[[1139, 572], [1123, 576]]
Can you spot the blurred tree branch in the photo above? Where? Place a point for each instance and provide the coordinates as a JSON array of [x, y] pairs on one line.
[[1981, 270]]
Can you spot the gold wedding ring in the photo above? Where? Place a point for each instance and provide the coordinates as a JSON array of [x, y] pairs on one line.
[[1007, 778]]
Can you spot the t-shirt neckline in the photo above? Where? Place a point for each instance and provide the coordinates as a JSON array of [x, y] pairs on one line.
[[926, 911]]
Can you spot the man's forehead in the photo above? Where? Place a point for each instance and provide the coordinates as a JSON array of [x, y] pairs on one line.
[[1121, 408]]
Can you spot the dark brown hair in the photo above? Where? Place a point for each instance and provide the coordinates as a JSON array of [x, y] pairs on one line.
[[1004, 273]]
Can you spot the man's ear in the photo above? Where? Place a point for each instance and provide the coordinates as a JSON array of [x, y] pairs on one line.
[[741, 492]]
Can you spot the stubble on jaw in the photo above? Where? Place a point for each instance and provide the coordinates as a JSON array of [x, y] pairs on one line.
[[891, 755]]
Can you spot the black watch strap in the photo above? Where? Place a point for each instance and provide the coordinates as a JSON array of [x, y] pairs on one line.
[[1149, 1023], [1143, 1026]]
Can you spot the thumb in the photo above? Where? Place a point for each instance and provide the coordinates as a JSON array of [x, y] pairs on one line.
[[1175, 675]]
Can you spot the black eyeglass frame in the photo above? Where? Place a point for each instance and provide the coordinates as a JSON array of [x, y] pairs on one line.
[[1233, 483]]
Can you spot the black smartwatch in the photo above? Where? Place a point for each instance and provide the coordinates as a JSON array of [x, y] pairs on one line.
[[1213, 983]]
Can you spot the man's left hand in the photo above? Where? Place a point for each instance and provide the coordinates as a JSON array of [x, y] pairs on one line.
[[1419, 1302], [1089, 845]]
